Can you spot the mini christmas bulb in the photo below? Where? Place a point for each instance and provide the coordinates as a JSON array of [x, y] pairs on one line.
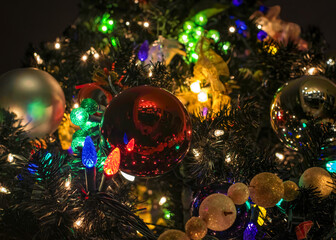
[[143, 51], [202, 97], [112, 162], [213, 34], [331, 166], [262, 35], [79, 116], [77, 143], [188, 26], [195, 87], [90, 105], [250, 231], [183, 38], [201, 19], [130, 145], [89, 154]]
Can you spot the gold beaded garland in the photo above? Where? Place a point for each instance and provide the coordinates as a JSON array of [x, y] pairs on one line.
[[196, 228], [266, 189], [291, 191], [318, 178], [239, 193]]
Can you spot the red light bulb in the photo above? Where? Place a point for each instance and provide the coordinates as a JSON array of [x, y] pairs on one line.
[[112, 162], [130, 145]]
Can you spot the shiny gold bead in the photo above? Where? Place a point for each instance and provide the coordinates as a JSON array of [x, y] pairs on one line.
[[291, 191], [266, 189], [196, 228], [173, 234], [239, 193]]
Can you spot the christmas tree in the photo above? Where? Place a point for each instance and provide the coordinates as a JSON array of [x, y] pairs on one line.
[[171, 119]]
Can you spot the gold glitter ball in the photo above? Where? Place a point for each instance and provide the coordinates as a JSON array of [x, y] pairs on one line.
[[291, 191], [218, 211], [266, 189], [318, 178], [173, 235], [239, 193], [196, 228]]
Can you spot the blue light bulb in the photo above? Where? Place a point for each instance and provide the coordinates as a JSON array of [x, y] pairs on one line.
[[89, 154]]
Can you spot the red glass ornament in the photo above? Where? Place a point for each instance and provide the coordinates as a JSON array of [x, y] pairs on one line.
[[157, 124], [96, 92], [112, 162]]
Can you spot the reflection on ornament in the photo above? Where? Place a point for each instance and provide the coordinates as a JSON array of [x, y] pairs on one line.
[[35, 97], [159, 125], [298, 102], [127, 176]]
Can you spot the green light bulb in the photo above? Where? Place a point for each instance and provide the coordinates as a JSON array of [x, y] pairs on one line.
[[193, 56], [188, 26], [103, 28], [214, 34], [183, 38], [226, 46], [77, 144], [79, 116], [198, 32], [90, 105], [114, 42], [201, 19], [79, 133]]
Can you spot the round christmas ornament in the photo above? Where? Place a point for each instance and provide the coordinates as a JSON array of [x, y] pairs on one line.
[[95, 92], [239, 193], [319, 179], [151, 128], [173, 235], [242, 218], [196, 228], [266, 189], [291, 191], [218, 211], [299, 101], [35, 97]]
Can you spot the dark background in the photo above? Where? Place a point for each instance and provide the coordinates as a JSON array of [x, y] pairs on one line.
[[23, 22]]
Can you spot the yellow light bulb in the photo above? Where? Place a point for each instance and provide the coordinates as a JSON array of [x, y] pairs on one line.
[[57, 45], [195, 87], [84, 58], [96, 55], [202, 97]]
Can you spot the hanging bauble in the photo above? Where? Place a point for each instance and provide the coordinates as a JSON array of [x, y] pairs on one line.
[[35, 97], [90, 105], [173, 235], [266, 189], [151, 128], [196, 228], [291, 191], [95, 92], [318, 179], [239, 193], [299, 101], [242, 218], [218, 211]]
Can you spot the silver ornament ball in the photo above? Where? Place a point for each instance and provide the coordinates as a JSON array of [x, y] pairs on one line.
[[298, 102], [35, 97]]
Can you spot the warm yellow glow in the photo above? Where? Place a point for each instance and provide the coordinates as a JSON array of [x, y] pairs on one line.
[[78, 223], [162, 201], [280, 156], [76, 105], [232, 29], [219, 132], [127, 23], [312, 71], [202, 97], [84, 57], [67, 184], [195, 87], [10, 158], [4, 190], [96, 55], [57, 45], [146, 24]]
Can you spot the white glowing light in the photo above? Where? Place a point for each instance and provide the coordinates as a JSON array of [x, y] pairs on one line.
[[146, 24], [202, 97], [4, 190], [330, 62], [67, 183], [218, 132], [127, 176], [57, 45], [150, 74], [196, 152], [312, 71], [78, 223], [195, 87], [127, 23], [259, 26], [232, 29], [84, 58], [280, 156], [76, 105], [228, 158], [96, 55], [10, 158], [162, 201]]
